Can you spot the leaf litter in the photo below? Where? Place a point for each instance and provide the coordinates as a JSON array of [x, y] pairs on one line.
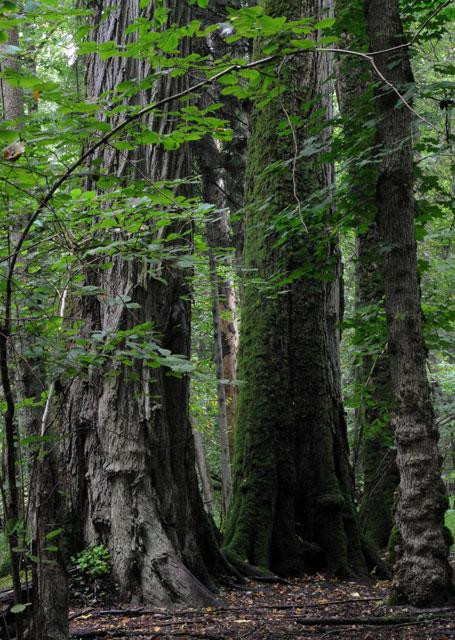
[[309, 608]]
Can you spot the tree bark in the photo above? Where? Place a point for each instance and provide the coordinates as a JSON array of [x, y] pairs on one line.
[[219, 161], [422, 574], [12, 97], [204, 476], [130, 453], [226, 478], [223, 308], [292, 506], [373, 443]]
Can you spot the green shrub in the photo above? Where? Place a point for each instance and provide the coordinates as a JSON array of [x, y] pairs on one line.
[[450, 521], [5, 557], [93, 562]]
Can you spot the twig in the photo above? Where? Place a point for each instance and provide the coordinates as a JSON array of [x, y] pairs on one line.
[[121, 612], [417, 34], [272, 579], [370, 59], [368, 621], [74, 616]]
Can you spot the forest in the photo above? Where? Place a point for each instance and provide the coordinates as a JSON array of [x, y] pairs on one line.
[[226, 319]]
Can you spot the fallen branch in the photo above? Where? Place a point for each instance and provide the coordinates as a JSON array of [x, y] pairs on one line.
[[369, 621], [272, 579], [84, 612], [122, 612], [188, 612], [119, 633]]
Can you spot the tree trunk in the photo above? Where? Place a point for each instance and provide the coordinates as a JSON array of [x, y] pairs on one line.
[[422, 575], [226, 478], [223, 308], [12, 97], [218, 162], [204, 476], [292, 507], [130, 453], [373, 445], [49, 619]]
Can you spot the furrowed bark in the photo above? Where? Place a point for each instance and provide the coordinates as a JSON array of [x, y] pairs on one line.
[[374, 454], [132, 483], [422, 575], [204, 477]]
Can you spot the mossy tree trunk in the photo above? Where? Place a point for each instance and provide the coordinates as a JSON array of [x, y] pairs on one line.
[[292, 506], [422, 574], [374, 451], [132, 482]]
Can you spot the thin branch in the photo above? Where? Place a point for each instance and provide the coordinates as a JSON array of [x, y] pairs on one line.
[[417, 34], [370, 59]]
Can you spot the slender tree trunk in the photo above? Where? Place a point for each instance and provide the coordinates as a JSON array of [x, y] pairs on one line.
[[422, 574], [226, 479], [292, 507], [223, 303], [373, 446], [12, 97], [204, 477], [50, 606], [130, 453], [28, 378], [222, 170]]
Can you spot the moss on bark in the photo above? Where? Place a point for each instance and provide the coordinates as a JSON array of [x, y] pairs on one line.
[[373, 448], [291, 508]]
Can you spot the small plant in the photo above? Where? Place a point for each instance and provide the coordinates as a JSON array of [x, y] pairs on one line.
[[5, 557], [93, 562]]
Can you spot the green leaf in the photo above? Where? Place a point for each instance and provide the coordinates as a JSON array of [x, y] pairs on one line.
[[303, 44], [325, 24], [20, 608]]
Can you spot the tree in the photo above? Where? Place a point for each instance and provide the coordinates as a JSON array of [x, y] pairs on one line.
[[422, 574], [373, 440], [128, 448], [292, 506], [26, 383]]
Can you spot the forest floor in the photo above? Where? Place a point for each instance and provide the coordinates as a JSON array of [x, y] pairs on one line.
[[311, 608]]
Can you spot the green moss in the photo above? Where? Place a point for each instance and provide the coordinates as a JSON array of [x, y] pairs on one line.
[[6, 582], [331, 500], [450, 526], [394, 540], [5, 557], [291, 490]]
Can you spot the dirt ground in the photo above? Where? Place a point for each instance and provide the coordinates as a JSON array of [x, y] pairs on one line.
[[311, 608]]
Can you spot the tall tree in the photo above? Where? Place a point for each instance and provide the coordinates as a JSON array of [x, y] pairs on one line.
[[50, 598], [373, 442], [13, 110], [292, 506], [130, 453], [218, 160], [422, 575]]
